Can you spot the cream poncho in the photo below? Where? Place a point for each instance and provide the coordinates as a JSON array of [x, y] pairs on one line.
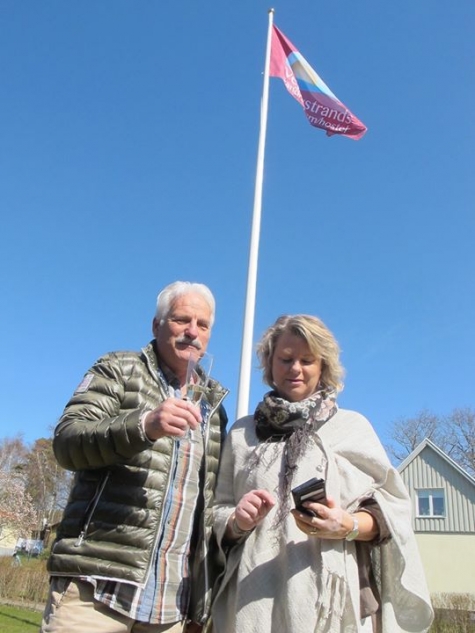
[[279, 580]]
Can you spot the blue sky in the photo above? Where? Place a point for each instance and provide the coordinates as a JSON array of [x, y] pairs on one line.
[[129, 135]]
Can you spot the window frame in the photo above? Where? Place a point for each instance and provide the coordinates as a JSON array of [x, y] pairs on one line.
[[430, 494]]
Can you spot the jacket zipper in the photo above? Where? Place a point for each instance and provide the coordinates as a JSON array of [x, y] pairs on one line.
[[153, 372], [205, 548], [93, 506]]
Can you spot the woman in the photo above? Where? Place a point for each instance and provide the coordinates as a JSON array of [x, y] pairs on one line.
[[352, 567]]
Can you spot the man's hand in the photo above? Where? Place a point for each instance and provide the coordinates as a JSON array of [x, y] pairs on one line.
[[173, 417]]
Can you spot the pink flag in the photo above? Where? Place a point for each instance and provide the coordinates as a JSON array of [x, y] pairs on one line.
[[322, 108]]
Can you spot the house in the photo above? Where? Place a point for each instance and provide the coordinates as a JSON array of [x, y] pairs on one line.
[[443, 502]]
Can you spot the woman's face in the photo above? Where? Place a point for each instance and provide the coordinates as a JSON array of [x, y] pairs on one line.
[[295, 370]]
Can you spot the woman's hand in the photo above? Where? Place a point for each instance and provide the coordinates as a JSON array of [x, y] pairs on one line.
[[253, 507], [332, 521], [335, 523]]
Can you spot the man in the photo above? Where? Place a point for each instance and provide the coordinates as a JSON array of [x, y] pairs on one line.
[[134, 551]]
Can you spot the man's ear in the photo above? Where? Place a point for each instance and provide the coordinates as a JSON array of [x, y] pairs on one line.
[[155, 326]]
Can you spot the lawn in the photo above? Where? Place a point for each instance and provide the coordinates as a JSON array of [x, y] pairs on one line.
[[17, 620]]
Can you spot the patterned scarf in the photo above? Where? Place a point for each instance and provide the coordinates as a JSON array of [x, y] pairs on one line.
[[278, 420]]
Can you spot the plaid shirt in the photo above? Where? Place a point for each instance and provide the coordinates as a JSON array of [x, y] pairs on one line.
[[165, 597]]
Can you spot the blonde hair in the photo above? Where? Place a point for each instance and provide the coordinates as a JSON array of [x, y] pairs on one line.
[[319, 339]]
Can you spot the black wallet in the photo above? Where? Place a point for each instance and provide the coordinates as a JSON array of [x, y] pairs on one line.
[[311, 490]]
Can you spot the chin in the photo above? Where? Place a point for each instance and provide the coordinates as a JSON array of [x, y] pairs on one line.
[[297, 397], [291, 397]]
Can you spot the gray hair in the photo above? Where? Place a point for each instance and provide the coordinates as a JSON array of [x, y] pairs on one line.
[[319, 339], [178, 288]]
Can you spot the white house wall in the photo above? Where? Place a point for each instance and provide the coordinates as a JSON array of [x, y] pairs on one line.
[[449, 562]]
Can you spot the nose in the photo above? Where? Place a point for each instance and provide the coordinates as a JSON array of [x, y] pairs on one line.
[[295, 367], [192, 329]]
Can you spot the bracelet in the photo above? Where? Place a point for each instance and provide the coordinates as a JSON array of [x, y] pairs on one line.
[[237, 530], [353, 533]]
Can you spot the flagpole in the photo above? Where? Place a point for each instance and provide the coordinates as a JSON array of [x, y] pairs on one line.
[[246, 350]]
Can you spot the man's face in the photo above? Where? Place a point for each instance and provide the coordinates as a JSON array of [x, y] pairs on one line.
[[186, 329]]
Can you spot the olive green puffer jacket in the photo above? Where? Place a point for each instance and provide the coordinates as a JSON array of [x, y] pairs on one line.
[[114, 513]]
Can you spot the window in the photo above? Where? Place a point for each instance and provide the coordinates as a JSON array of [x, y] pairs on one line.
[[431, 502]]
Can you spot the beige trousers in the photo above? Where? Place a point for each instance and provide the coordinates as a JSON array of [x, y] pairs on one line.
[[71, 608]]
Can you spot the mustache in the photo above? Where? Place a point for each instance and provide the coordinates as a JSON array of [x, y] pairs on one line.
[[186, 340]]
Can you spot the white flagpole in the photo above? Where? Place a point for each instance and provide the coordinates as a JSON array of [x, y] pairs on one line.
[[246, 350]]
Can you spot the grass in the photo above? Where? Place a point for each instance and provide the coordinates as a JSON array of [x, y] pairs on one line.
[[18, 620]]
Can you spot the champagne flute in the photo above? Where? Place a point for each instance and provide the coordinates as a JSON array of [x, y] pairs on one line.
[[197, 376]]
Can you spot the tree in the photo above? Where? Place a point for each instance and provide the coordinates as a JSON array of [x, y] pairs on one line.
[[34, 474], [460, 438], [13, 452], [46, 482], [17, 515], [453, 433]]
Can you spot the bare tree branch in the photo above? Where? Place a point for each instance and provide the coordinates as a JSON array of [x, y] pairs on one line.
[[453, 433]]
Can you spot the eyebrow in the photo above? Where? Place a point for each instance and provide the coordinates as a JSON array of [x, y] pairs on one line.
[[188, 317]]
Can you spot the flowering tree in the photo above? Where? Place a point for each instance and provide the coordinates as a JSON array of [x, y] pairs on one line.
[[45, 481], [17, 515], [33, 470]]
